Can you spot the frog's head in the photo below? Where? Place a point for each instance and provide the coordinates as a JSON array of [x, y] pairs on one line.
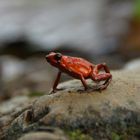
[[54, 58]]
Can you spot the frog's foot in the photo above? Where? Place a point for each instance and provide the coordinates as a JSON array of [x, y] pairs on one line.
[[80, 90], [55, 90], [104, 85]]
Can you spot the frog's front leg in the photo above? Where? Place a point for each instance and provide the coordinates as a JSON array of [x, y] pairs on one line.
[[56, 82]]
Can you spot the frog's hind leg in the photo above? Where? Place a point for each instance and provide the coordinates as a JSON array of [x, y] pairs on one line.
[[95, 76], [105, 84], [99, 67], [101, 77]]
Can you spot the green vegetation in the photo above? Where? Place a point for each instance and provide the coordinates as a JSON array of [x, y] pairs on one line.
[[137, 9], [36, 94], [130, 133], [115, 136], [78, 135]]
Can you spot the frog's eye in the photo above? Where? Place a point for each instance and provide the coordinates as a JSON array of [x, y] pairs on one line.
[[57, 56]]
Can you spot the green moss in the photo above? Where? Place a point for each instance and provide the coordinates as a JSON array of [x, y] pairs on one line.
[[78, 135], [137, 9], [130, 133], [115, 136], [36, 94]]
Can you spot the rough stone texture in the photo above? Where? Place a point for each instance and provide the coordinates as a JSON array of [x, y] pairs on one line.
[[14, 104], [115, 109], [11, 109], [133, 65], [70, 105], [52, 134]]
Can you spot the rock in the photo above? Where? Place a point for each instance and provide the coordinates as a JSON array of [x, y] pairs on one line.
[[20, 77], [68, 105], [52, 134], [15, 104], [11, 109], [11, 67], [114, 110], [133, 65]]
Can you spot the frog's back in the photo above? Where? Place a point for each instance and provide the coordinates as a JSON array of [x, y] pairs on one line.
[[76, 65]]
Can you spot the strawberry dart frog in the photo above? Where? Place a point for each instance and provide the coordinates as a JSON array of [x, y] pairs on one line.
[[79, 68]]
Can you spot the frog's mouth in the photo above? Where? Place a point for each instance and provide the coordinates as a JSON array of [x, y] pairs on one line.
[[47, 58]]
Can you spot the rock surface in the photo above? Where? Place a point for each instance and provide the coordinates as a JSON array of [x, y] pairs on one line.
[[133, 65], [69, 105], [12, 108], [14, 104], [116, 109], [52, 134]]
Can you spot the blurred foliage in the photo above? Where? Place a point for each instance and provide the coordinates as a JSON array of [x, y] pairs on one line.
[[115, 136], [129, 134], [36, 94], [78, 135], [137, 9]]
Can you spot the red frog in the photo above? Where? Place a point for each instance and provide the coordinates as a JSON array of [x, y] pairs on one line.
[[79, 68]]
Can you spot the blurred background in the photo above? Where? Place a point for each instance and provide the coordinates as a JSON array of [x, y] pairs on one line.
[[98, 30]]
